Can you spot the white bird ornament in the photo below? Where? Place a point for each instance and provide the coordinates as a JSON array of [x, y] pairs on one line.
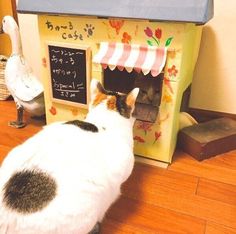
[[24, 86]]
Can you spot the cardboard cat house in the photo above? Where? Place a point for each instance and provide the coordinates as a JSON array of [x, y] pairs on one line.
[[151, 44]]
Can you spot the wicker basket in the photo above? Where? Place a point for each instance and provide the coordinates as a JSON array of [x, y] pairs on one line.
[[4, 93]]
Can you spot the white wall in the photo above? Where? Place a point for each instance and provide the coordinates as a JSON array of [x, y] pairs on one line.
[[214, 83], [30, 40]]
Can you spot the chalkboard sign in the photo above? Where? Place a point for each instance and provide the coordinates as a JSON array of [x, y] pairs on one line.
[[69, 74]]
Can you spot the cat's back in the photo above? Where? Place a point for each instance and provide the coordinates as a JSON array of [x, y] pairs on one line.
[[59, 144], [74, 133]]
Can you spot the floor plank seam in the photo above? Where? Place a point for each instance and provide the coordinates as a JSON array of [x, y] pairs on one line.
[[147, 230], [166, 208], [208, 177], [217, 181], [208, 223], [184, 212], [218, 201], [198, 180]]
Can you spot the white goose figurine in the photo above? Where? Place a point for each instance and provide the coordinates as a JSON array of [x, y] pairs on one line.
[[24, 87]]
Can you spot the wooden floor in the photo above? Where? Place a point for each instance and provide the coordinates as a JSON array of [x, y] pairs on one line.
[[188, 197]]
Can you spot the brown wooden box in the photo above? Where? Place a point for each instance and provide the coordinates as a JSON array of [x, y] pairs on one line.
[[208, 139]]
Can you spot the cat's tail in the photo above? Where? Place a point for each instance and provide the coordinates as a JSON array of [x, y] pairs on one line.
[[29, 191]]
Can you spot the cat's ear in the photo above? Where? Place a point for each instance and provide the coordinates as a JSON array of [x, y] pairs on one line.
[[131, 97], [95, 88]]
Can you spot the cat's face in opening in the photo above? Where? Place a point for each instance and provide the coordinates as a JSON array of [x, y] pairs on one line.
[[121, 103]]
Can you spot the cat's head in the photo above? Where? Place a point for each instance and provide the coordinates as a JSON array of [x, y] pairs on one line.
[[121, 103]]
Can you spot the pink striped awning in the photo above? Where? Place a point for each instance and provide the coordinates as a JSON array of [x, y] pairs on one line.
[[138, 57]]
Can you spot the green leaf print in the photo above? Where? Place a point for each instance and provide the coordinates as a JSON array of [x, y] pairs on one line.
[[149, 42], [168, 41]]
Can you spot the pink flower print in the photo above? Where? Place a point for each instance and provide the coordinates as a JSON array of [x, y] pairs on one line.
[[145, 126], [168, 84], [157, 136], [139, 139], [158, 33], [172, 71], [148, 32]]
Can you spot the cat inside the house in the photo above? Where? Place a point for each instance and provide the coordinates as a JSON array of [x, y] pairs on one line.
[[63, 179]]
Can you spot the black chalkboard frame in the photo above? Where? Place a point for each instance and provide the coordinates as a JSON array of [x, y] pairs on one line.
[[87, 51]]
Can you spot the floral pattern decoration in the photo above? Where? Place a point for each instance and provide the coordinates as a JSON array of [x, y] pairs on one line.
[[157, 136], [156, 37], [116, 24], [171, 74], [167, 83], [145, 129], [126, 38], [145, 126], [172, 71], [139, 139], [44, 62], [53, 110]]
